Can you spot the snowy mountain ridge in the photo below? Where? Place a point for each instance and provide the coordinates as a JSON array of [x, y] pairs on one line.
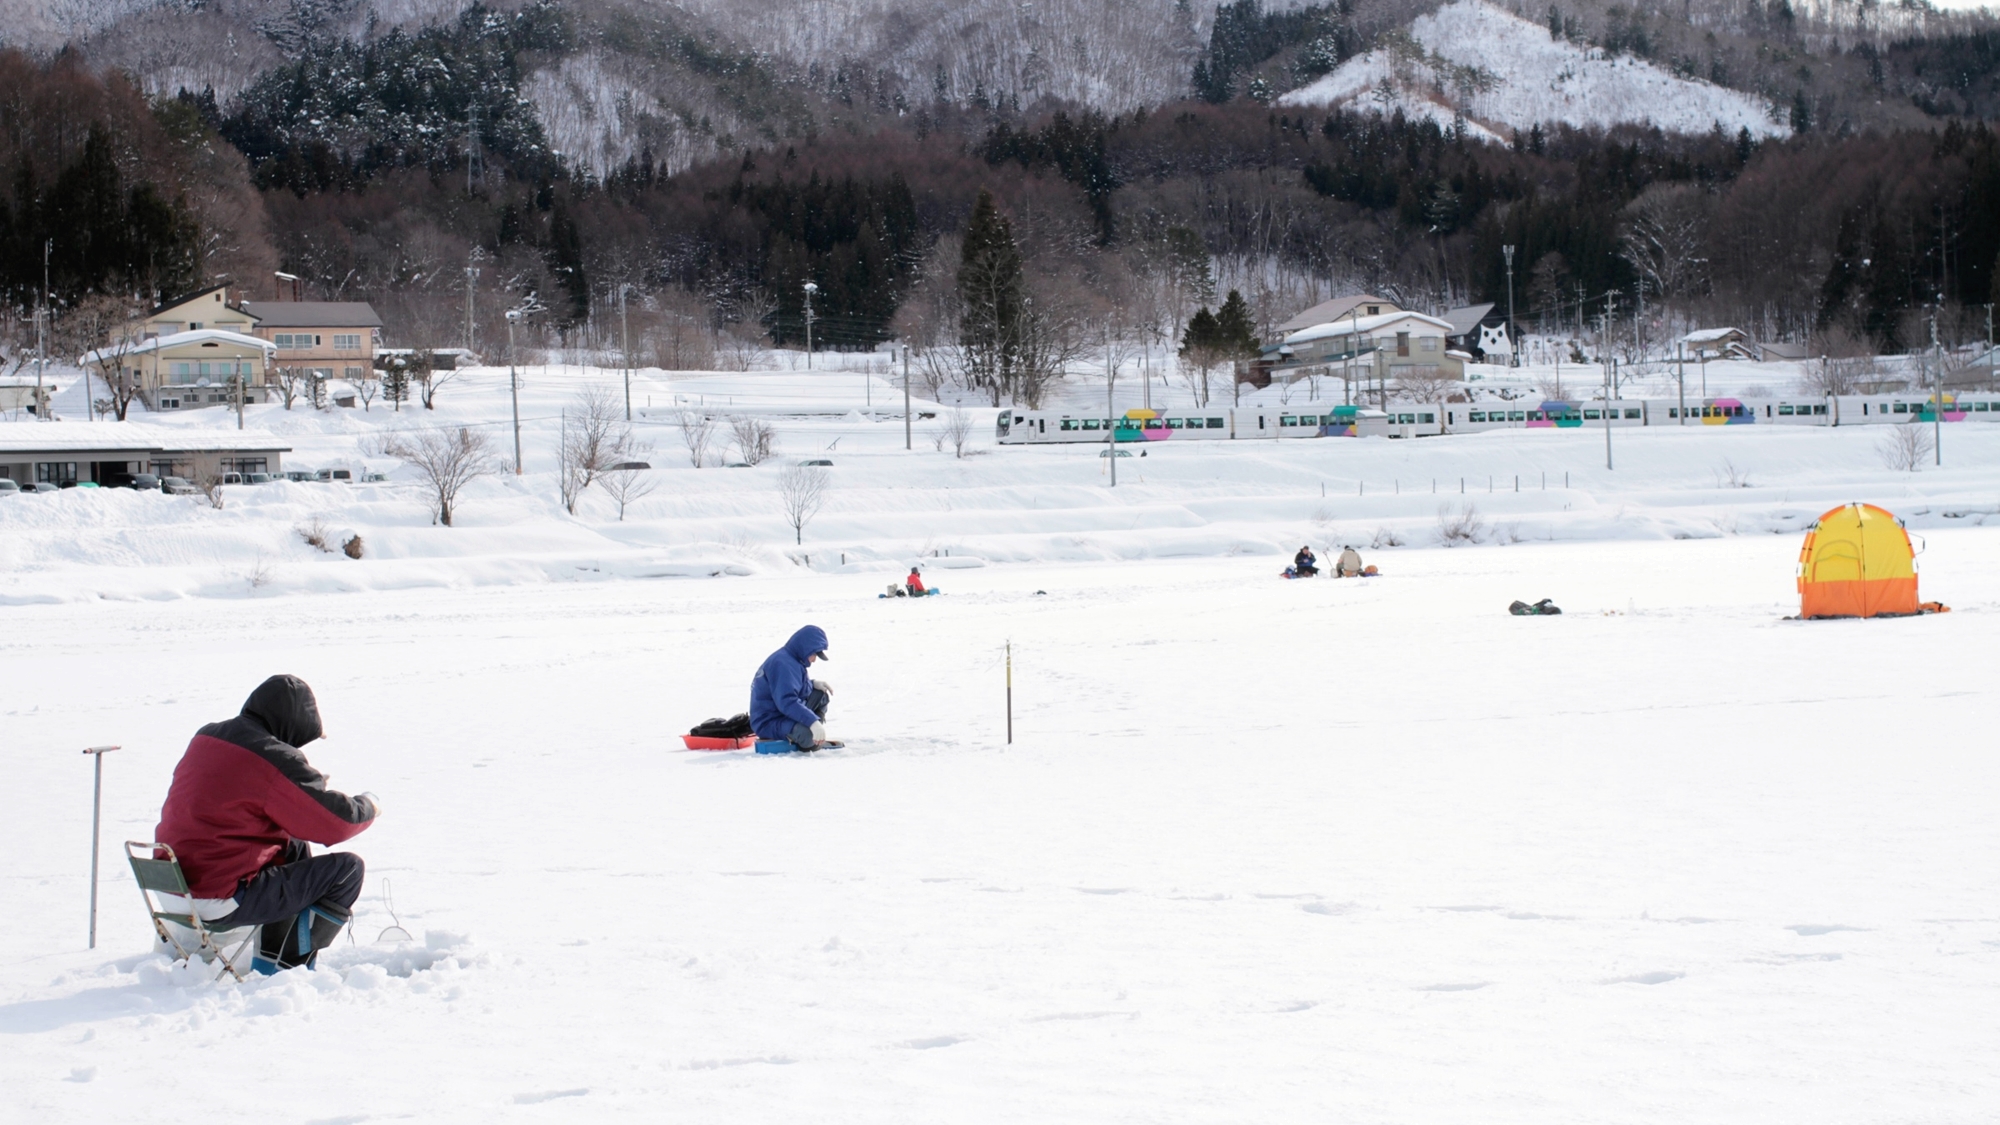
[[1500, 73]]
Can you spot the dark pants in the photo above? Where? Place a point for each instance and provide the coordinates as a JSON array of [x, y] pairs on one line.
[[802, 735], [299, 879]]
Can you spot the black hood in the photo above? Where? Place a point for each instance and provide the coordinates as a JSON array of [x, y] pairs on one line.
[[284, 706]]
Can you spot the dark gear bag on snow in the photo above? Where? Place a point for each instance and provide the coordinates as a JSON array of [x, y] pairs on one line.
[[1540, 609], [736, 726]]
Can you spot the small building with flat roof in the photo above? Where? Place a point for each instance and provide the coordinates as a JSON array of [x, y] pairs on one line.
[[109, 454]]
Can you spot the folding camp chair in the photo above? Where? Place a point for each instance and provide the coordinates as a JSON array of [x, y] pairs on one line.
[[164, 877]]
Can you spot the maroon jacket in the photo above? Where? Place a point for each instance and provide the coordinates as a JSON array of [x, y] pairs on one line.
[[244, 789]]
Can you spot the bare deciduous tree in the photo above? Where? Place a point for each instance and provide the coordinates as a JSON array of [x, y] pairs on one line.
[[1663, 237], [955, 430], [366, 389], [754, 438], [626, 485], [803, 490], [448, 459], [210, 484], [697, 433], [595, 437], [1431, 386], [1905, 448], [1459, 524]]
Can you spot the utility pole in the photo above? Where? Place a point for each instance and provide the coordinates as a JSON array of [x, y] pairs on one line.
[[625, 347], [810, 290], [471, 284], [1681, 377], [906, 398], [1110, 409], [1513, 348], [1937, 393], [514, 386], [42, 410], [1607, 416]]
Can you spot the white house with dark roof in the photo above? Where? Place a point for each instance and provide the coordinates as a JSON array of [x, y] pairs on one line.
[[182, 370], [1390, 345]]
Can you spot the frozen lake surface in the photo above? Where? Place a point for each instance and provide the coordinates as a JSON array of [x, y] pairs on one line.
[[1260, 850]]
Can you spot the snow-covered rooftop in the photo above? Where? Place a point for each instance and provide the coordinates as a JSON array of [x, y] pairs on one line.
[[1361, 324], [1711, 335], [40, 437], [172, 340]]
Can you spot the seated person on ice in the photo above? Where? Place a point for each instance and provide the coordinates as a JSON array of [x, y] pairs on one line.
[[1305, 564], [786, 704], [914, 583], [1349, 563], [242, 808]]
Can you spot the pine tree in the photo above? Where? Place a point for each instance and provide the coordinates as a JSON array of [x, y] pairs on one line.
[[1234, 332], [1202, 344], [989, 282]]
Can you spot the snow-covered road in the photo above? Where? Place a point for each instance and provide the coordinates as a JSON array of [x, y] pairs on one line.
[[1261, 850]]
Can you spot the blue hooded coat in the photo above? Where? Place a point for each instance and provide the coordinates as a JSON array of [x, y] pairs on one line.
[[778, 691]]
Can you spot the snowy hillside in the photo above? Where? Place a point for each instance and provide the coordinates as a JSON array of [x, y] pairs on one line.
[[1503, 73]]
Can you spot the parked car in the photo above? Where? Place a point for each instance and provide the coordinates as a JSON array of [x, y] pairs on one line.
[[41, 486], [374, 478], [146, 482], [262, 478], [177, 486], [329, 475], [232, 478], [304, 476], [9, 485]]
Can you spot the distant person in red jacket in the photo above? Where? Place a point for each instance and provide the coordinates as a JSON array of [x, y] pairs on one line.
[[242, 809], [914, 583]]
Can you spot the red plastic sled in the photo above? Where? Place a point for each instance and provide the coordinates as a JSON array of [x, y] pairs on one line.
[[697, 743]]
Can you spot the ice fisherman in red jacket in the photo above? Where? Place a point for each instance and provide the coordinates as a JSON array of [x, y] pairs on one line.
[[243, 807], [914, 583]]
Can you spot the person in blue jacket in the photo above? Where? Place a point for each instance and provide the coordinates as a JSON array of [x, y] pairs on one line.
[[786, 703]]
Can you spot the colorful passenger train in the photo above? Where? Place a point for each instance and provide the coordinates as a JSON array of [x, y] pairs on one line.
[[1408, 419]]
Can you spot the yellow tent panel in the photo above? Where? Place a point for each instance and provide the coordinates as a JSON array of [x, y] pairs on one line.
[[1857, 562]]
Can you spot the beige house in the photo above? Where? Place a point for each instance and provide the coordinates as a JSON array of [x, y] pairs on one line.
[[181, 370], [333, 339]]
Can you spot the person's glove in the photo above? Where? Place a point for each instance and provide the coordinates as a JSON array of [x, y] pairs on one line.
[[822, 685], [375, 801], [818, 733]]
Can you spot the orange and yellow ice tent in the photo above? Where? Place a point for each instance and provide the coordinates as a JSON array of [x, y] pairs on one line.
[[1857, 562]]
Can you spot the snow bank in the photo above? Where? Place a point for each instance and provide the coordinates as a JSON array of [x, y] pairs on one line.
[[1504, 73]]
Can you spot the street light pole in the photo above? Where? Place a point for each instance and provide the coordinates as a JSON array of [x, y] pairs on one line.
[[810, 290], [1513, 348]]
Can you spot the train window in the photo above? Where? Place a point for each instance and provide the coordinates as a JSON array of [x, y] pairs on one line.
[[1819, 408], [1738, 411], [1133, 424], [1288, 420], [1902, 408], [1784, 410], [1979, 407], [1067, 424], [1019, 418], [1516, 416], [1260, 421], [1092, 424], [1427, 419], [1476, 416], [1174, 423], [1406, 419], [1632, 412], [1153, 424], [1534, 415], [1213, 423], [1592, 415]]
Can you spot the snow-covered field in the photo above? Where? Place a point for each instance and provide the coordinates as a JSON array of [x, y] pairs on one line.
[[1260, 850], [1506, 74]]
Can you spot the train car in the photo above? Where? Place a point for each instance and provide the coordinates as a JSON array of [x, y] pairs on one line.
[[1549, 414], [1050, 427], [1889, 409]]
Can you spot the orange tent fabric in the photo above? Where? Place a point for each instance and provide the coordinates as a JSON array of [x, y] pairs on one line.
[[1857, 562]]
